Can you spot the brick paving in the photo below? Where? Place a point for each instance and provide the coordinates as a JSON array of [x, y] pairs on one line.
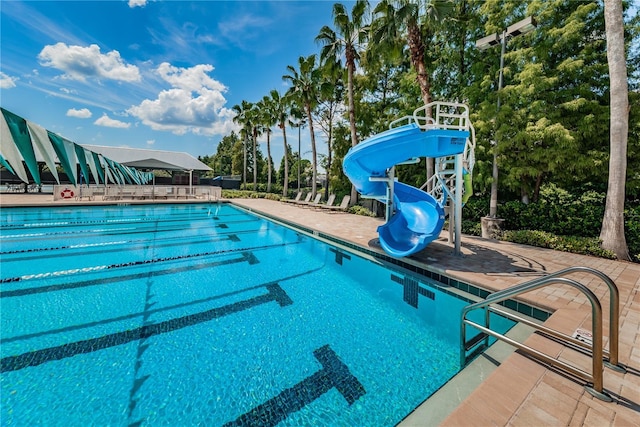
[[520, 392]]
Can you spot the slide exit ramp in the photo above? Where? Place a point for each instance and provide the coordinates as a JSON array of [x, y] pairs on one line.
[[414, 216]]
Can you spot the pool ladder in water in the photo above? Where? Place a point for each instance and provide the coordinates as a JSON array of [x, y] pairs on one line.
[[599, 356]]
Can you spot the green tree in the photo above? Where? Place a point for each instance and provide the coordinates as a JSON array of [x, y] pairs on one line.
[[348, 40], [305, 82], [223, 159], [330, 109], [281, 107], [267, 119], [413, 22], [243, 118]]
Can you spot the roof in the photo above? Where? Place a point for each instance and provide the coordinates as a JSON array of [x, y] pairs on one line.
[[26, 144], [150, 159]]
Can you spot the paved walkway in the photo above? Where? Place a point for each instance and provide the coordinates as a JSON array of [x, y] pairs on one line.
[[519, 392]]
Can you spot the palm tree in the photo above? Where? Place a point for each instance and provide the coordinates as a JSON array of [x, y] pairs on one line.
[[330, 108], [305, 82], [413, 18], [281, 110], [256, 130], [297, 120], [242, 118], [612, 232], [348, 39], [267, 120]]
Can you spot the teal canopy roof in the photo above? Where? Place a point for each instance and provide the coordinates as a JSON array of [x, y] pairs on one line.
[[24, 144]]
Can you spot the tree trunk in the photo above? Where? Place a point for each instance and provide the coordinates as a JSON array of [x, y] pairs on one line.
[[326, 191], [285, 185], [612, 232], [352, 122], [255, 159], [416, 47], [314, 164], [268, 161]]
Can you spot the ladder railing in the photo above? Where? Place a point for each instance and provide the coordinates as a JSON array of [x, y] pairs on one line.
[[596, 349]]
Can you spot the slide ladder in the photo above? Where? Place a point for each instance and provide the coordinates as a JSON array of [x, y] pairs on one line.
[[415, 216]]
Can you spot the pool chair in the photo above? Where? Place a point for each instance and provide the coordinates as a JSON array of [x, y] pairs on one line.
[[330, 201], [343, 207], [297, 198], [316, 201], [305, 201]]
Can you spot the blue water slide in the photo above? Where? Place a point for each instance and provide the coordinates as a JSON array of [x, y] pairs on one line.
[[418, 217]]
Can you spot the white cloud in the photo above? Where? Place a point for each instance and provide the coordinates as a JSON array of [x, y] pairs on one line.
[[150, 142], [83, 113], [6, 81], [111, 123], [192, 79], [195, 103], [80, 63], [137, 3]]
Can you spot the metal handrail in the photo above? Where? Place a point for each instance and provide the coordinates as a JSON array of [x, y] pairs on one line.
[[614, 306], [596, 376]]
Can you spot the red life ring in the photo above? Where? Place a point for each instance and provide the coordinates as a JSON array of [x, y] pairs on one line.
[[66, 194]]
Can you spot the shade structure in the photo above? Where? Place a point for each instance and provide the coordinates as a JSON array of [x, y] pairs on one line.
[[24, 145]]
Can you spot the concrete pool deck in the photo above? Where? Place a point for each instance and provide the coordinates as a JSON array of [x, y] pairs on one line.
[[519, 391]]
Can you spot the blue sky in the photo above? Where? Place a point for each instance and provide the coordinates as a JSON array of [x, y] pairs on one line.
[[152, 74]]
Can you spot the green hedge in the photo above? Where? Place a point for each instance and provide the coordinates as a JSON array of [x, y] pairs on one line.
[[573, 244], [556, 215]]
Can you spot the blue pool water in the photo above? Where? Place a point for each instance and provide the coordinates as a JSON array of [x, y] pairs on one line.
[[177, 315]]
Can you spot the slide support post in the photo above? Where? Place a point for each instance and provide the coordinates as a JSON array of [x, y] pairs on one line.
[[391, 178], [458, 206]]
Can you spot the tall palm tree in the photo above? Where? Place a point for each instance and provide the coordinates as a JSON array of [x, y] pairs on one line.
[[348, 40], [612, 232], [267, 120], [415, 19], [411, 20], [305, 83], [330, 108], [253, 118], [242, 118], [281, 109], [297, 120]]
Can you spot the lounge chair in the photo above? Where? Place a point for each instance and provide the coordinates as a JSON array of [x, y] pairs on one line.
[[316, 201], [330, 201], [306, 200], [344, 205], [297, 198]]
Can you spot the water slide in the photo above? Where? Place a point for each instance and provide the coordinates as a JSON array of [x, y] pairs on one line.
[[417, 216]]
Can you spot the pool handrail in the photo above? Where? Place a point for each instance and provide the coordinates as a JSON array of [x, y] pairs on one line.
[[597, 350]]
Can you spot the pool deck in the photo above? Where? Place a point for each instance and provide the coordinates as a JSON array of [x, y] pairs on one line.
[[519, 392]]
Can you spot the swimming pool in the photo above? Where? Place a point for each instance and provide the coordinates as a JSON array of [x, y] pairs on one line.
[[206, 314]]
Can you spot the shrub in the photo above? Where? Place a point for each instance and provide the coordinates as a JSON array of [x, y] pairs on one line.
[[236, 194], [361, 210], [632, 231], [272, 196], [573, 244]]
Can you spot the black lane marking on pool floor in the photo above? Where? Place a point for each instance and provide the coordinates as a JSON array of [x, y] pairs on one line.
[[38, 357], [412, 289], [334, 373], [340, 255], [150, 312]]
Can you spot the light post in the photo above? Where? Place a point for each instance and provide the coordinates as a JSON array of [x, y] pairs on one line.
[[521, 27], [299, 126]]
